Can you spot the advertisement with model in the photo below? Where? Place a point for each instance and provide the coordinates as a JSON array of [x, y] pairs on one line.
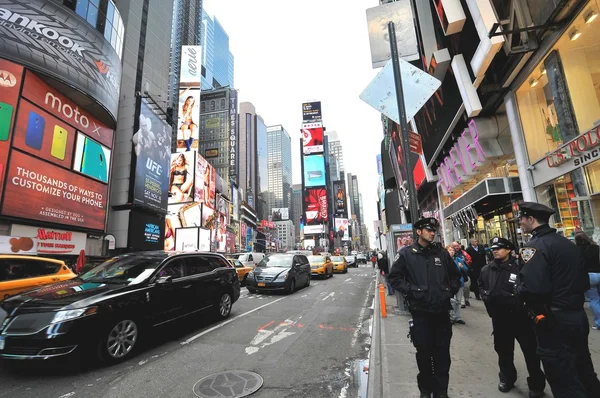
[[315, 203], [152, 155], [339, 194], [314, 171], [312, 138], [341, 228], [188, 119], [146, 231], [47, 37], [181, 177], [280, 214], [206, 183]]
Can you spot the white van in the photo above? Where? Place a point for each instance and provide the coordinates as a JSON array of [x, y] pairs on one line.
[[249, 259]]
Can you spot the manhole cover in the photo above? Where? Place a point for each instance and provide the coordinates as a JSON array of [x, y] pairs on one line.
[[228, 384]]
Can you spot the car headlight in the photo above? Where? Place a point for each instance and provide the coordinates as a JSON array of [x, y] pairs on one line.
[[281, 277], [67, 315], [251, 274]]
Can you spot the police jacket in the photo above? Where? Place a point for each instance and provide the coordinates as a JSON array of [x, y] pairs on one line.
[[426, 276], [382, 264], [498, 287], [553, 272]]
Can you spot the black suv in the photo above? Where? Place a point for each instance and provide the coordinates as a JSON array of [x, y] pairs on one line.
[[110, 306]]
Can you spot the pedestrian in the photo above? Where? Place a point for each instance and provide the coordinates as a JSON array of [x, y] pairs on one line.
[[591, 259], [384, 266], [373, 259], [456, 300], [553, 283], [479, 260], [427, 277], [497, 285], [464, 299]]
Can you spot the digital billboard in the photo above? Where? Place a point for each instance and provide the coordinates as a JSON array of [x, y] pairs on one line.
[[339, 195], [188, 119], [91, 157], [181, 177], [186, 239], [341, 228], [49, 38], [280, 214], [315, 203], [205, 183], [312, 138], [10, 86], [152, 155], [191, 68], [181, 216], [146, 231], [311, 112], [314, 171]]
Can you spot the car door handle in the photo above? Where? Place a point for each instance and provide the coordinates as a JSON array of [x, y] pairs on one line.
[[187, 286]]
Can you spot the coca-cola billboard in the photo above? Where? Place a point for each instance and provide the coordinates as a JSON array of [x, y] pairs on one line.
[[315, 203]]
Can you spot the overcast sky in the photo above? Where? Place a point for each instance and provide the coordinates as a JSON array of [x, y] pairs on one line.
[[287, 52]]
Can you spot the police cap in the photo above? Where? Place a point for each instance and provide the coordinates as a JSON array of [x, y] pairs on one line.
[[430, 223], [536, 210], [501, 243]]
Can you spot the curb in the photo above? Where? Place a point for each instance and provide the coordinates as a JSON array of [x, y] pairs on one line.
[[375, 379]]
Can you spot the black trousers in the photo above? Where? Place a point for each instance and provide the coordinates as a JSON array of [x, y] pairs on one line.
[[474, 273], [508, 327], [563, 349], [431, 337]]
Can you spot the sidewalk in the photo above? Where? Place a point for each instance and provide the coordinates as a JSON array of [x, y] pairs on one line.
[[474, 371]]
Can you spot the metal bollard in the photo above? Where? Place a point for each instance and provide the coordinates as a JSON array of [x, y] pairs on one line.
[[382, 301]]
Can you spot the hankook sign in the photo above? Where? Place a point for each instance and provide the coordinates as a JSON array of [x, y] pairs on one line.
[[46, 37]]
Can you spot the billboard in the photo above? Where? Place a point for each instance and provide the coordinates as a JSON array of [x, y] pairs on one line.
[[181, 177], [314, 171], [188, 115], [38, 190], [146, 231], [341, 228], [280, 214], [204, 240], [312, 138], [186, 239], [10, 86], [152, 154], [315, 203], [49, 38], [339, 194], [91, 157], [233, 127], [311, 112], [52, 241], [190, 74], [206, 183], [314, 229]]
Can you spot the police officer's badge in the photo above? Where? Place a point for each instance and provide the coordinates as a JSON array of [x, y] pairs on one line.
[[527, 253], [396, 257]]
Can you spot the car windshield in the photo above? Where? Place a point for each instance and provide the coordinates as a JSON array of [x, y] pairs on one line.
[[337, 259], [276, 261], [316, 259], [237, 263], [126, 270]]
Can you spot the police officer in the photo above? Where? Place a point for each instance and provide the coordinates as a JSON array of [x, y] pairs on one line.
[[427, 277], [497, 285], [553, 280]]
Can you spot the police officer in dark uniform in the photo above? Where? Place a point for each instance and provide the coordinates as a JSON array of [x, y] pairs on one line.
[[553, 280], [427, 277], [497, 285]]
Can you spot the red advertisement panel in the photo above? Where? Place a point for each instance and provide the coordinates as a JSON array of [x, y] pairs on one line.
[[38, 92], [41, 134], [11, 76], [315, 200], [38, 190], [312, 138]]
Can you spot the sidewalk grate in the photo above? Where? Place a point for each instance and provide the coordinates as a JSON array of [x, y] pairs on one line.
[[228, 384]]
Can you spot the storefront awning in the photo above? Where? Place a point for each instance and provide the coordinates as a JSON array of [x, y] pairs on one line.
[[490, 194]]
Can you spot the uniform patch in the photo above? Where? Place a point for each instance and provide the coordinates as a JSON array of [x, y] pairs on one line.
[[438, 261], [513, 278], [397, 257], [527, 253]]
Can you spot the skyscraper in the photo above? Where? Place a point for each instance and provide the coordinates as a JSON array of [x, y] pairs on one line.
[[217, 60], [279, 156], [336, 150], [354, 197], [261, 168], [247, 156], [296, 211]]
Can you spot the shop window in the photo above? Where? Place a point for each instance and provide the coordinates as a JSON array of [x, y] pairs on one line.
[[561, 98]]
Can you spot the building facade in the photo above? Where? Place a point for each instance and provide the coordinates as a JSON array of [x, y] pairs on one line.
[[286, 234], [279, 156], [217, 59], [296, 211], [247, 144], [354, 194], [336, 151], [261, 168]]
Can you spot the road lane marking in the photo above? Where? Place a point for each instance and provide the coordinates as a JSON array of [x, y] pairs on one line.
[[349, 279], [276, 335], [329, 295], [235, 318], [67, 395], [266, 325]]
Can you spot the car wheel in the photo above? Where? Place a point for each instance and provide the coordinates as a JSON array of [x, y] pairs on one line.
[[251, 290], [292, 287], [119, 341], [223, 307], [345, 270]]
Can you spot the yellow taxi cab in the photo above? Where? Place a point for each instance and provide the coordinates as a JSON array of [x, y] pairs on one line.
[[19, 273], [339, 264], [242, 270], [320, 266]]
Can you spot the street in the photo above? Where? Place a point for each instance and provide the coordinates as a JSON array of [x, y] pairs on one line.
[[313, 343]]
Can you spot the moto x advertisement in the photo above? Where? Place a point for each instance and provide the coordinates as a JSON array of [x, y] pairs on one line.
[[51, 39], [152, 154], [315, 203]]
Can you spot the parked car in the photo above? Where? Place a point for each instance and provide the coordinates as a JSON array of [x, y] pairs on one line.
[[361, 259], [109, 308], [281, 271], [241, 269], [339, 264], [351, 260], [321, 266], [20, 273]]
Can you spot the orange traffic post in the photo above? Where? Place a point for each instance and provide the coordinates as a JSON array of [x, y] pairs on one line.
[[382, 301]]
